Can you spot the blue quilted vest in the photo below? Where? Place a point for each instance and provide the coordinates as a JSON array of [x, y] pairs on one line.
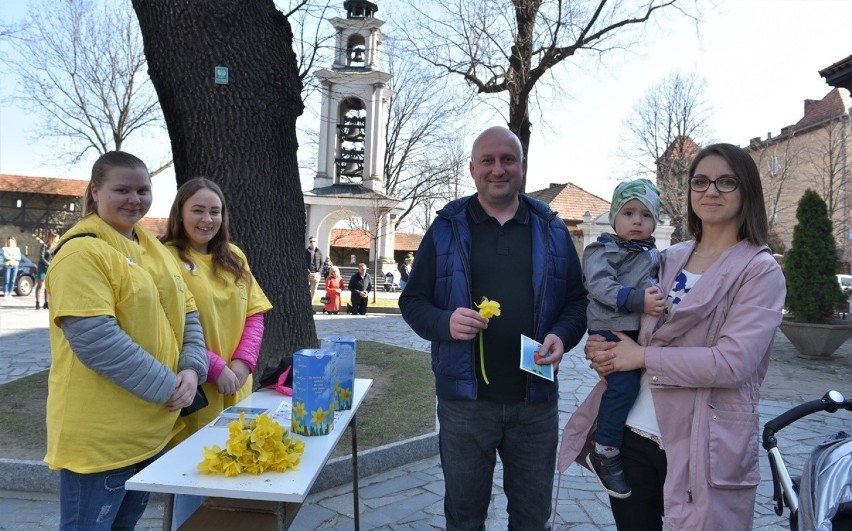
[[453, 361]]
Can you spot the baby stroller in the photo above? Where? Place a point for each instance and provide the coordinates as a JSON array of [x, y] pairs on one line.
[[821, 498]]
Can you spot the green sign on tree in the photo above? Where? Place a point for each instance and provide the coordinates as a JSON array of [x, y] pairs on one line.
[[220, 75]]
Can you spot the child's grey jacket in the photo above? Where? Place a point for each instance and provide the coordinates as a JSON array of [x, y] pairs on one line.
[[613, 274]]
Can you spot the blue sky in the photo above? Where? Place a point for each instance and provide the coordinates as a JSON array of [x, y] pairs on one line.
[[760, 59]]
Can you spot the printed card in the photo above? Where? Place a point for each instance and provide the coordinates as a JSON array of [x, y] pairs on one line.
[[251, 412], [529, 354], [233, 413]]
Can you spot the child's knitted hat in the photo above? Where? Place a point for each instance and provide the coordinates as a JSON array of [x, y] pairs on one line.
[[641, 189]]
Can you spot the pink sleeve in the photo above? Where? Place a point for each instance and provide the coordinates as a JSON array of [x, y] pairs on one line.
[[249, 347], [216, 366]]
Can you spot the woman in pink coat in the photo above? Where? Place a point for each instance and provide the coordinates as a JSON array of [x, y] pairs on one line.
[[691, 442]]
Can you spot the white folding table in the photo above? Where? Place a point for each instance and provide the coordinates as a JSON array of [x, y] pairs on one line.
[[176, 471]]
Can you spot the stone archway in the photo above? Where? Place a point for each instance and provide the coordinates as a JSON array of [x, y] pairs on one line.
[[326, 207]]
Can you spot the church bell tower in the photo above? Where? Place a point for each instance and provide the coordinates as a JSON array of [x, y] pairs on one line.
[[354, 103], [351, 158]]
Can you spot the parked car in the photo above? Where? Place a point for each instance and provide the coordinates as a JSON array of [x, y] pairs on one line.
[[845, 282], [25, 281]]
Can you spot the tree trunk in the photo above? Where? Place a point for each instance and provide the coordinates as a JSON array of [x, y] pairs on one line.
[[242, 135], [520, 80], [519, 123]]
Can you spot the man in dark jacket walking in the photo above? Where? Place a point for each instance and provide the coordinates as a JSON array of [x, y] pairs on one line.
[[313, 256], [360, 286], [509, 248]]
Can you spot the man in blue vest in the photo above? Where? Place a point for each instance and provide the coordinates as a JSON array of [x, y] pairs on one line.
[[504, 246]]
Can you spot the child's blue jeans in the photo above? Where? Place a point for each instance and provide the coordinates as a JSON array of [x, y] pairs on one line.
[[621, 391]]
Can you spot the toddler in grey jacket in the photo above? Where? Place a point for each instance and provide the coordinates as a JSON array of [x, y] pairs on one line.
[[620, 274]]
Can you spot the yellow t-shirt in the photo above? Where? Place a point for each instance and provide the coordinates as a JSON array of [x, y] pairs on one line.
[[94, 424], [223, 306]]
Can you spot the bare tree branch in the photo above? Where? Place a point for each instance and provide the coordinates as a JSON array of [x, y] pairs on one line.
[[665, 128], [507, 46], [82, 70]]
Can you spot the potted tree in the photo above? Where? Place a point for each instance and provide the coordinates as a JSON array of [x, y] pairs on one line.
[[813, 294]]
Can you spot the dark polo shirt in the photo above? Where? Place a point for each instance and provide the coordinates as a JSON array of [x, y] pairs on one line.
[[501, 265]]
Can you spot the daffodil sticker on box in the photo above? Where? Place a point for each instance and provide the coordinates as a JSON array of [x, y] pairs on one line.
[[253, 447], [313, 391], [487, 309], [344, 348]]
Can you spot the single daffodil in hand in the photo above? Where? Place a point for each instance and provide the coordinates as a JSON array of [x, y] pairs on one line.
[[487, 309]]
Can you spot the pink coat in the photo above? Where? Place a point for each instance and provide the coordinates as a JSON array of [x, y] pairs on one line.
[[706, 366]]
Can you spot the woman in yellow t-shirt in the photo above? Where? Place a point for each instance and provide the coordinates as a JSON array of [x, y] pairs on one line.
[[230, 302], [126, 345]]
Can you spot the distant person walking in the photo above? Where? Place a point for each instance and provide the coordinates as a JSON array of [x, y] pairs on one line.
[[45, 254], [333, 290], [405, 270], [326, 267], [360, 286], [313, 257], [11, 260]]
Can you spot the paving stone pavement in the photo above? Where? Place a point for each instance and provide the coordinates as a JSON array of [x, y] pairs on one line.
[[410, 497]]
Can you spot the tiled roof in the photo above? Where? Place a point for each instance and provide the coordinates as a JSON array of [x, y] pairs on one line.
[[571, 201], [42, 185], [360, 239], [155, 225], [407, 241], [836, 67], [833, 105]]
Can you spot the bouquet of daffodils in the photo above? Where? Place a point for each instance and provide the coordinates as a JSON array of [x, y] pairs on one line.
[[254, 447]]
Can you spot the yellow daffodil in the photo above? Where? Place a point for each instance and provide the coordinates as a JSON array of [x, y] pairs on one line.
[[253, 447], [487, 309]]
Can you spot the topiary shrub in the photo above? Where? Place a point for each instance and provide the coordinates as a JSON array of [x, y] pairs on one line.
[[812, 290]]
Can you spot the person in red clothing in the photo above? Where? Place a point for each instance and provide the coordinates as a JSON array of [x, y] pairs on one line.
[[333, 288]]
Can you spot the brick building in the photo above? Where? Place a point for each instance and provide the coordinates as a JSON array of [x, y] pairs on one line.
[[812, 153], [32, 206]]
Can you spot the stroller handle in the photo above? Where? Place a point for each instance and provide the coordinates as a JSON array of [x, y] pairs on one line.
[[830, 402]]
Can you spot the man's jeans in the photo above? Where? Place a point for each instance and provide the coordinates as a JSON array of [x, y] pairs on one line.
[[98, 501], [525, 435]]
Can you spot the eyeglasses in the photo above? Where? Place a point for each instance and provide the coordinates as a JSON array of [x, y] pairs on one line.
[[725, 184]]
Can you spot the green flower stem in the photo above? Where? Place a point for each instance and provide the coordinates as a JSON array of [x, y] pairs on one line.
[[482, 358]]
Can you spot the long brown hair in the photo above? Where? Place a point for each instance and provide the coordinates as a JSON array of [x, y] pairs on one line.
[[223, 256], [754, 226], [107, 161]]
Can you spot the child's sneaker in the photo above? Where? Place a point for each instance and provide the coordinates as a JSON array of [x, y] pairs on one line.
[[610, 474]]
